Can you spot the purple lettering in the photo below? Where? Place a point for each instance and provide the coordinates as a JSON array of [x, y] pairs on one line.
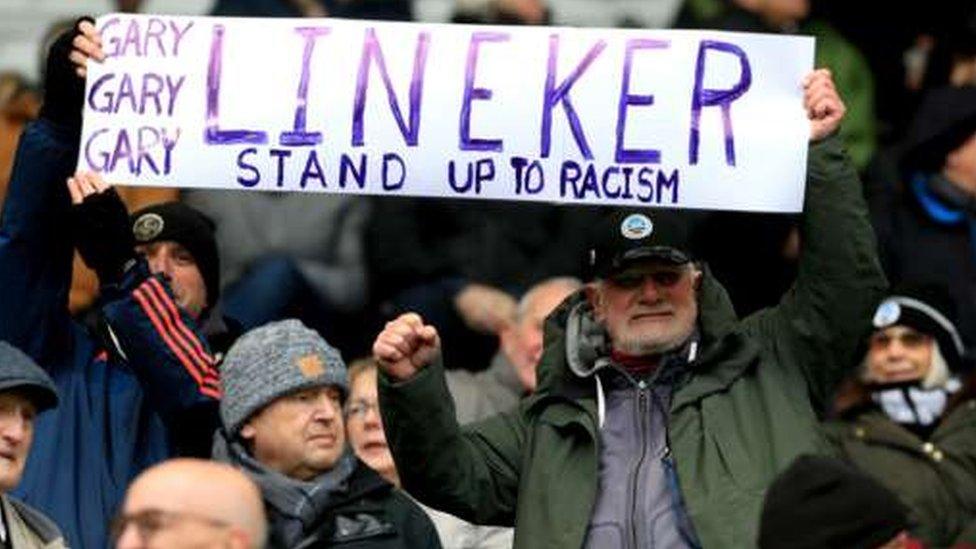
[[178, 35], [722, 98], [623, 155], [174, 88], [255, 174], [389, 158], [668, 183], [472, 93], [371, 51], [212, 134], [313, 170], [97, 166], [96, 88], [125, 92], [298, 137], [281, 155], [147, 138], [152, 86], [569, 173], [605, 182], [155, 28], [111, 47], [560, 94], [132, 38], [168, 146], [346, 167]]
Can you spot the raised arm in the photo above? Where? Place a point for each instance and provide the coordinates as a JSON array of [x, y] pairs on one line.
[[470, 472], [819, 322], [35, 240]]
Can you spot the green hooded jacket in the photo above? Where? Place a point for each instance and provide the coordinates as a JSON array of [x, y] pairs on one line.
[[748, 408]]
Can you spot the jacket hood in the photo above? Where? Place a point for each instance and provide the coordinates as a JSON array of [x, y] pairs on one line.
[[575, 340]]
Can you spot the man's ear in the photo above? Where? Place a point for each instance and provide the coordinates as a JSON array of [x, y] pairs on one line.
[[698, 276], [248, 432]]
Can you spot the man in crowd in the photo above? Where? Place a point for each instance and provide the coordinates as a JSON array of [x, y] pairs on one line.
[[191, 504], [25, 390], [907, 418], [284, 387], [659, 417], [926, 222], [141, 385], [820, 502], [512, 371]]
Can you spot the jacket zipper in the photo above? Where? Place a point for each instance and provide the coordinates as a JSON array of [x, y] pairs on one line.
[[642, 421]]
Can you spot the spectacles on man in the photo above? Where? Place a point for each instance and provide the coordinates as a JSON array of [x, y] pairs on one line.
[[664, 278], [150, 522], [359, 408], [906, 337]]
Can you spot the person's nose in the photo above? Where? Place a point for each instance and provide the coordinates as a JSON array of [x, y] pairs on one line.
[[160, 262], [15, 428], [649, 290], [129, 538], [326, 409]]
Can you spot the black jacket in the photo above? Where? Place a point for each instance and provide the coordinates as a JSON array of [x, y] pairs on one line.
[[372, 514]]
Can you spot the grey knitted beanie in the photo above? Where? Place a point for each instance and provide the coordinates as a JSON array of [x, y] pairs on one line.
[[271, 361]]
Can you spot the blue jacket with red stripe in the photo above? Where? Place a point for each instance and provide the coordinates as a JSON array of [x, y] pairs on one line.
[[133, 392]]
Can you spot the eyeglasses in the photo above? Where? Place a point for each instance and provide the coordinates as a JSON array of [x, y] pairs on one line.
[[664, 278], [907, 338], [359, 408], [150, 522]]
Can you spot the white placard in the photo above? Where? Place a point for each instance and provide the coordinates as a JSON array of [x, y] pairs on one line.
[[686, 119]]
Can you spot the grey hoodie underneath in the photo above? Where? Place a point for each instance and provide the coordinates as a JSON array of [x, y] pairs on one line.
[[638, 503]]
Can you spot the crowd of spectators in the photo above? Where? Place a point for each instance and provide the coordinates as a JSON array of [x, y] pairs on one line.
[[173, 362]]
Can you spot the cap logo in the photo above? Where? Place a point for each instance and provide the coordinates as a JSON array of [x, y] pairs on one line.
[[147, 227], [887, 314], [311, 366], [636, 226]]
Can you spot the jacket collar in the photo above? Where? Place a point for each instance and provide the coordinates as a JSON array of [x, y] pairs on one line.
[[725, 353]]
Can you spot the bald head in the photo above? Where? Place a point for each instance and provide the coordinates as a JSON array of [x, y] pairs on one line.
[[522, 342], [193, 503]]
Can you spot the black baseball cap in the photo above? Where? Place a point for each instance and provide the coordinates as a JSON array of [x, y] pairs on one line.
[[623, 237]]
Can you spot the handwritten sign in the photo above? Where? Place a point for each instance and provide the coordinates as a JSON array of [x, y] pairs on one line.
[[688, 119]]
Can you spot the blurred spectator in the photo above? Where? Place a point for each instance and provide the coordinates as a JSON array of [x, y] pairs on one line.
[[575, 13], [823, 503], [925, 220], [18, 105], [907, 420], [398, 10], [282, 425], [25, 391], [191, 504], [461, 264], [142, 386], [292, 255], [512, 371], [505, 12], [365, 430]]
